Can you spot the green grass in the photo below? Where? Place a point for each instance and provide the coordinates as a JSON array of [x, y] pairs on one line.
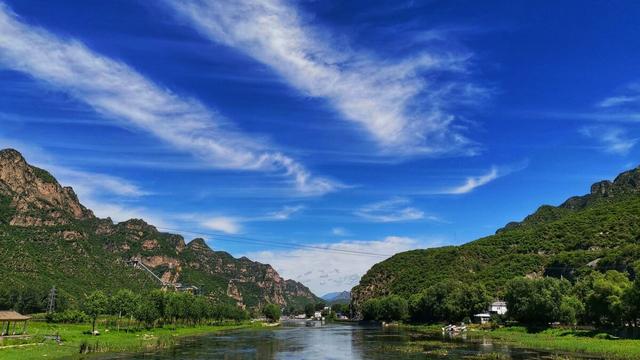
[[560, 340], [74, 339], [570, 341]]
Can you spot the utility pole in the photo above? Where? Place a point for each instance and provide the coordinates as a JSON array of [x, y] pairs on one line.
[[52, 300]]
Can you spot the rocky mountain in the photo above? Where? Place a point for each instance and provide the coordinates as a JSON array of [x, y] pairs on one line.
[[49, 238], [598, 231]]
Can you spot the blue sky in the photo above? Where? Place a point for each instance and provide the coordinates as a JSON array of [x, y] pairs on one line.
[[362, 126]]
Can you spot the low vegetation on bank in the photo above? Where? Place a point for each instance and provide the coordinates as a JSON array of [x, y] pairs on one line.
[[125, 322], [72, 341], [559, 340]]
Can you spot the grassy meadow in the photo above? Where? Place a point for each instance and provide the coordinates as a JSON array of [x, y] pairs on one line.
[[553, 340], [76, 343]]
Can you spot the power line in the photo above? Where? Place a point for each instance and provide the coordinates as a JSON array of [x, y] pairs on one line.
[[244, 239]]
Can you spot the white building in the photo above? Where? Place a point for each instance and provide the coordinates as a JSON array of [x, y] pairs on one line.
[[498, 307], [482, 318]]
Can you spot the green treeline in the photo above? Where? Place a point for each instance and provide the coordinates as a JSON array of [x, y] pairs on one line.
[[159, 307], [608, 299], [150, 309]]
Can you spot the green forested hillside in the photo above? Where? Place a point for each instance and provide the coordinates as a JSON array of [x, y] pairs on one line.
[[47, 238], [596, 232]]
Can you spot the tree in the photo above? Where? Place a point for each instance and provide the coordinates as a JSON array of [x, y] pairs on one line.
[[197, 309], [448, 301], [309, 310], [271, 312], [536, 301], [371, 309], [95, 304], [571, 310], [631, 298], [603, 296], [159, 299], [393, 308], [174, 307], [146, 311], [123, 303], [340, 308]]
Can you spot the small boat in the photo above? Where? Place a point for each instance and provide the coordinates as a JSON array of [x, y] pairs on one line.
[[454, 329]]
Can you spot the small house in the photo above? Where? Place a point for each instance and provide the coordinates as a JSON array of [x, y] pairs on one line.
[[482, 318], [9, 319], [498, 307]]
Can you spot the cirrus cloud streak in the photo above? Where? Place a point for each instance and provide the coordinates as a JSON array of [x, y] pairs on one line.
[[119, 92], [398, 102]]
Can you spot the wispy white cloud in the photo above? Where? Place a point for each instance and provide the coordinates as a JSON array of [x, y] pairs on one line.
[[393, 210], [618, 100], [120, 93], [225, 224], [629, 96], [338, 231], [233, 224], [90, 183], [474, 182], [614, 140], [284, 213], [398, 102], [327, 271]]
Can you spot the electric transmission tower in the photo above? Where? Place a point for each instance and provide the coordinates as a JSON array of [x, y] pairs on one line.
[[52, 300]]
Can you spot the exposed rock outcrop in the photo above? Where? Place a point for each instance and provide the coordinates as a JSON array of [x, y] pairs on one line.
[[37, 197]]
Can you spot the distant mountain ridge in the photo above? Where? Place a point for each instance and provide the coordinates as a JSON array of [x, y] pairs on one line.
[[598, 231], [49, 238], [341, 297]]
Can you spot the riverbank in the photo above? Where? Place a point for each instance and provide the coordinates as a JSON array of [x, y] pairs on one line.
[[74, 341], [560, 340]]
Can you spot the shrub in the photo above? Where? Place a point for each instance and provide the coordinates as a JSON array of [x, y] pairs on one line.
[[68, 317]]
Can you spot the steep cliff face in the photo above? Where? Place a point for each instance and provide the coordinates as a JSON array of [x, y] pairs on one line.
[[597, 231], [35, 195], [34, 206], [248, 282]]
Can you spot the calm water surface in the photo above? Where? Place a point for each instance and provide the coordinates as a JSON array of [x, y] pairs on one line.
[[336, 341]]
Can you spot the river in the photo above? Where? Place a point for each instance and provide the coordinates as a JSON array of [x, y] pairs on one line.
[[337, 341]]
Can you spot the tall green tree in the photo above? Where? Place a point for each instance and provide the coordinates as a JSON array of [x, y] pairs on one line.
[[393, 308], [174, 307], [122, 303], [372, 309], [95, 304], [571, 310], [271, 312], [146, 311], [536, 301], [309, 310], [603, 296]]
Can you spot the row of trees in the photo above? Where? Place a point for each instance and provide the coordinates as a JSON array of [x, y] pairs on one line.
[[387, 308], [446, 301], [608, 299], [600, 299], [159, 307], [28, 300]]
